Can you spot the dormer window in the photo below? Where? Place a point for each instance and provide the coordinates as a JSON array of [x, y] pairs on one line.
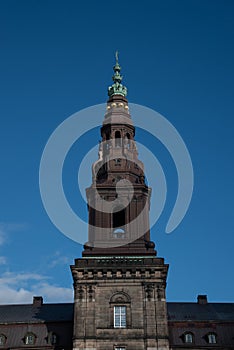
[[212, 338], [188, 337], [30, 339], [53, 339], [2, 339]]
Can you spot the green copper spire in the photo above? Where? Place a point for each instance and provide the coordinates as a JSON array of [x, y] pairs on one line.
[[117, 88]]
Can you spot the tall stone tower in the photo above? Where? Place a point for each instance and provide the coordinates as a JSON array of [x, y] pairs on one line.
[[119, 283]]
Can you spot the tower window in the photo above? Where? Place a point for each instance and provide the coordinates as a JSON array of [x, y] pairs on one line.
[[127, 141], [118, 217], [119, 316], [117, 139], [120, 310], [212, 339]]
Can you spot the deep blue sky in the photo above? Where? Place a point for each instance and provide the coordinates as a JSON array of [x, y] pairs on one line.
[[177, 58]]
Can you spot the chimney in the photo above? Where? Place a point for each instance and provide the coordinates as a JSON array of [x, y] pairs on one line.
[[202, 299], [37, 301]]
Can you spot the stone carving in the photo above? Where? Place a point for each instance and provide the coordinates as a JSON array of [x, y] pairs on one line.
[[149, 290]]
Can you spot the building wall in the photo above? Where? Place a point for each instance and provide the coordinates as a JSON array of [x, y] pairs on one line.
[[139, 285]]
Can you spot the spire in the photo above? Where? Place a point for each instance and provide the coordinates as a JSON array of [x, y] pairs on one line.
[[117, 88], [118, 198]]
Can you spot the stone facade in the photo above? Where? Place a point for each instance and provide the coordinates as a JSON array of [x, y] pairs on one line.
[[138, 284]]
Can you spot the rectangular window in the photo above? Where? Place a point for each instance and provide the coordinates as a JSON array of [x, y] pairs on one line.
[[120, 348], [120, 317]]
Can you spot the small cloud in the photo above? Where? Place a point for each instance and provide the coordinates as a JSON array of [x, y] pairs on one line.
[[10, 278]]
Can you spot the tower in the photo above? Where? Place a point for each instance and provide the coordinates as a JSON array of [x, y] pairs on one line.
[[119, 283]]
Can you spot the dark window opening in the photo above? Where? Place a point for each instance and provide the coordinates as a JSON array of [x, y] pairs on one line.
[[117, 139], [118, 217]]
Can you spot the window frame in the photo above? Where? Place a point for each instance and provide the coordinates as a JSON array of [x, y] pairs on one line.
[[122, 316]]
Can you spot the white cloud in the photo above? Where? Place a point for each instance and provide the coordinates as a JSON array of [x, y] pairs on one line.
[[11, 278], [18, 288], [54, 293]]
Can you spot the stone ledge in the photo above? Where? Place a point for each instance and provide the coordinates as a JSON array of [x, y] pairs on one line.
[[117, 261]]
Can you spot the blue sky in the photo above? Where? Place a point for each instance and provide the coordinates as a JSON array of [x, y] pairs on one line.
[[56, 59]]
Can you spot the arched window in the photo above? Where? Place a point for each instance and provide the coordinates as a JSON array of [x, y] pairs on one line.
[[188, 337], [211, 338], [127, 141], [117, 139], [2, 339], [30, 339], [120, 310]]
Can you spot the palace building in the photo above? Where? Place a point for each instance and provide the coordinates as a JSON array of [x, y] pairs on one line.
[[119, 282]]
